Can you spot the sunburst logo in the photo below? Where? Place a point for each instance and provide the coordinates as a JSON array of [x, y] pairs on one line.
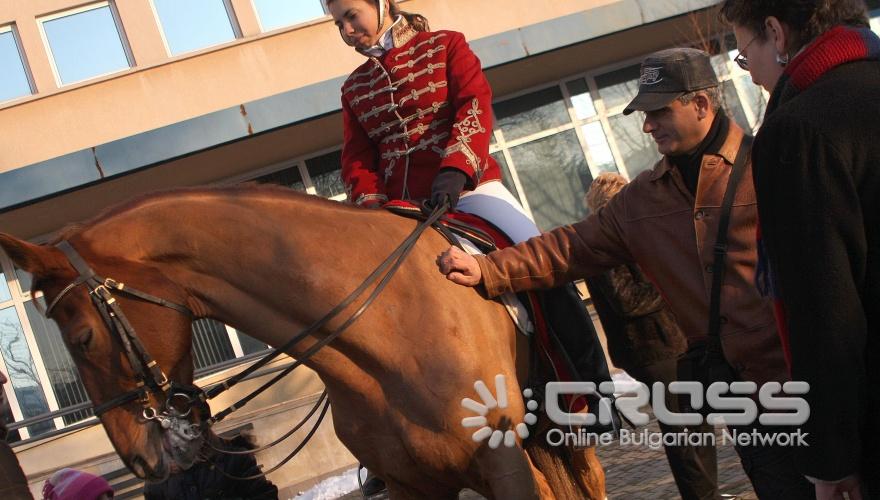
[[491, 402]]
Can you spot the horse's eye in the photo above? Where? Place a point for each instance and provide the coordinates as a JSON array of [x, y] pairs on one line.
[[83, 339]]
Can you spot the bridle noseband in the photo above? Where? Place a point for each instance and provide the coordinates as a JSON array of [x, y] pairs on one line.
[[150, 377]]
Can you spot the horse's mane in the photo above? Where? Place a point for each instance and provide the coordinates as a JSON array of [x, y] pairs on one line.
[[176, 194]]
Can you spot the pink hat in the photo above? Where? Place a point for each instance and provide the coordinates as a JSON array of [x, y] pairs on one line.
[[69, 484]]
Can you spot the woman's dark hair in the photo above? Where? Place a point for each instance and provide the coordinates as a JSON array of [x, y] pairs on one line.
[[417, 21], [806, 18]]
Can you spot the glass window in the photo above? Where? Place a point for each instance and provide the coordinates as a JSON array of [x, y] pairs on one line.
[[555, 177], [4, 289], [25, 279], [22, 373], [506, 178], [325, 172], [194, 24], [15, 81], [733, 107], [600, 151], [250, 345], [63, 375], [289, 177], [275, 14], [85, 44], [754, 98], [618, 88], [581, 99], [211, 344], [532, 113], [637, 149], [875, 23], [719, 64]]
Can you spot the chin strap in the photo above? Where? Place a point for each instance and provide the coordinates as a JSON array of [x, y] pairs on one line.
[[381, 9]]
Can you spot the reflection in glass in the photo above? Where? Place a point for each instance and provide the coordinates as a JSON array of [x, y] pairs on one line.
[[275, 14], [289, 177], [531, 113], [506, 178], [600, 151], [555, 177], [618, 88], [85, 45], [754, 99], [21, 371], [4, 289], [733, 107], [15, 81], [581, 99], [637, 149], [250, 345], [24, 280], [325, 172], [194, 24], [210, 344], [719, 63], [63, 375]]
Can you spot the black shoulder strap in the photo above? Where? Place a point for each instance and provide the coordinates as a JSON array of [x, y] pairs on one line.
[[720, 251]]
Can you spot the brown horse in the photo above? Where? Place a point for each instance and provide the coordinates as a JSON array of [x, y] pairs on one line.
[[269, 261]]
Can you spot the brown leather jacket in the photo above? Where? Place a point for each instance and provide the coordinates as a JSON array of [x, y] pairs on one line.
[[656, 222]]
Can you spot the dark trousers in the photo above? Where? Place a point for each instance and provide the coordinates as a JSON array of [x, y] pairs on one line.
[[695, 468], [771, 469]]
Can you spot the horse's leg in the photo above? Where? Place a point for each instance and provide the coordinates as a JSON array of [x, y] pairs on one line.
[[544, 490], [508, 473], [588, 471], [399, 491]]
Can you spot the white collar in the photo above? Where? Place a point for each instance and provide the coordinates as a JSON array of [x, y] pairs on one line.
[[386, 41]]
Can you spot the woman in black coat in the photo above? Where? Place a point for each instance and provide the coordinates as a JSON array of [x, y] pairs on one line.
[[816, 167]]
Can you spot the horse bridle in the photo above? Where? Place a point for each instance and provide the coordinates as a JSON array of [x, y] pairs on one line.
[[149, 375]]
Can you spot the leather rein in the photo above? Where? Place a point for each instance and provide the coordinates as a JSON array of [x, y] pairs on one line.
[[152, 379]]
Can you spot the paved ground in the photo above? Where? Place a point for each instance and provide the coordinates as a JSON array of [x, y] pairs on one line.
[[637, 473]]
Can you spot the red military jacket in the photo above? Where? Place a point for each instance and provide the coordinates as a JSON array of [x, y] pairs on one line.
[[421, 106]]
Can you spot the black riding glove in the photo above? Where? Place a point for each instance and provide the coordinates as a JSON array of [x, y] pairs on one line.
[[447, 186]]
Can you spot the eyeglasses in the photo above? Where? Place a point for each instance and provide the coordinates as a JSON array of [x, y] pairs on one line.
[[741, 60]]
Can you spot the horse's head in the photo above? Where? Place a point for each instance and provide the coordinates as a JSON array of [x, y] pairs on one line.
[[148, 432]]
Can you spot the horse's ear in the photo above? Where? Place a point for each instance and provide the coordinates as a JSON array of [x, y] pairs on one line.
[[34, 259]]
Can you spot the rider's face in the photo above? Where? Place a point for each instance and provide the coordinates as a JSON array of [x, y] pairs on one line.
[[357, 20]]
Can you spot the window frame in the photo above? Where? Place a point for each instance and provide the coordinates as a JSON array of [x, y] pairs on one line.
[[233, 22], [288, 26], [16, 39], [120, 30]]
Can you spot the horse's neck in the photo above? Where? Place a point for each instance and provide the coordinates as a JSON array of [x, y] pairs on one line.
[[266, 265]]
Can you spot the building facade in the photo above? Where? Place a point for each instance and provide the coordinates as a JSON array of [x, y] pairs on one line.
[[102, 101]]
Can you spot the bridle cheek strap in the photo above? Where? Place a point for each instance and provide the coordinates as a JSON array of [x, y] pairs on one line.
[[150, 376]]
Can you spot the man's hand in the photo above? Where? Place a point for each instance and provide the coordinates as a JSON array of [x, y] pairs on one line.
[[849, 488], [460, 267]]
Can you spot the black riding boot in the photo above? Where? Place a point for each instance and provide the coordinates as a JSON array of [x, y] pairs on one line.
[[572, 329]]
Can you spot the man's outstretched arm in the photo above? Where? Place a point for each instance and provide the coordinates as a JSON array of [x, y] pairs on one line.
[[557, 257]]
